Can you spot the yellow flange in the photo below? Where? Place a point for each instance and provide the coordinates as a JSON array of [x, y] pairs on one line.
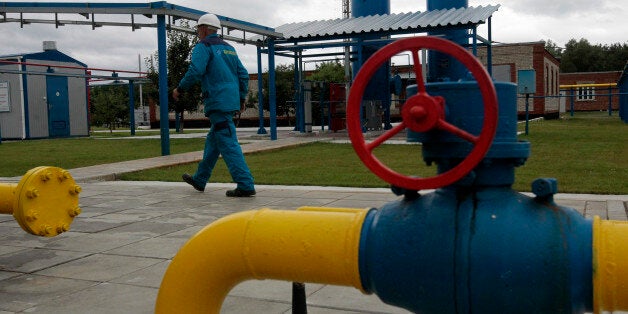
[[44, 202]]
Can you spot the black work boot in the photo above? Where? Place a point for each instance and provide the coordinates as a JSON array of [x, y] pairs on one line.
[[189, 180], [240, 193]]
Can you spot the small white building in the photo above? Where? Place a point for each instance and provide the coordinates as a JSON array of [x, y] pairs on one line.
[[43, 95]]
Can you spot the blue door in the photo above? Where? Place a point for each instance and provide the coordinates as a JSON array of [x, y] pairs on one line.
[[58, 106]]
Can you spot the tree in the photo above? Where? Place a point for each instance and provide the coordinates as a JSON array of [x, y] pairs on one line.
[[553, 48], [180, 45], [284, 90], [581, 56], [330, 72], [109, 105], [327, 72]]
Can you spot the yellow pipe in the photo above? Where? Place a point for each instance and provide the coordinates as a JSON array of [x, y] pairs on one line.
[[588, 85], [330, 209], [6, 198], [610, 265], [44, 202], [304, 246]]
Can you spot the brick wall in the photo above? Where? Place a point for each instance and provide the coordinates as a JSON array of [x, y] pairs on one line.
[[526, 56], [599, 99]]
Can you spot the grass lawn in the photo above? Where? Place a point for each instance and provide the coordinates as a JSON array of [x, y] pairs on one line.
[[586, 153], [21, 156]]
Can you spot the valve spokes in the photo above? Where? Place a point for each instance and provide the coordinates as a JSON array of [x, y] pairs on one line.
[[422, 113]]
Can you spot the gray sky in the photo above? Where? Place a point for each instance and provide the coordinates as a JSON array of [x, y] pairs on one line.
[[600, 22]]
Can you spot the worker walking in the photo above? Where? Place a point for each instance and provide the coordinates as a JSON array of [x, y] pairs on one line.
[[224, 83]]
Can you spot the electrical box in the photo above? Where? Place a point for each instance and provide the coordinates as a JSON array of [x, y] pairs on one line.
[[526, 81]]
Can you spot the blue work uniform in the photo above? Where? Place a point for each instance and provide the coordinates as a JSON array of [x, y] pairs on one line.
[[224, 83]]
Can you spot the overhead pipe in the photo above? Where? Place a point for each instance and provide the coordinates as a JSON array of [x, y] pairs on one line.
[[308, 245], [44, 202]]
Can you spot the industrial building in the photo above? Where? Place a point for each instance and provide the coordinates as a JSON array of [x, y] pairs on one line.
[[43, 95]]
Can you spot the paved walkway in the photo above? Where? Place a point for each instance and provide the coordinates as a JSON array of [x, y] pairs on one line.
[[113, 258]]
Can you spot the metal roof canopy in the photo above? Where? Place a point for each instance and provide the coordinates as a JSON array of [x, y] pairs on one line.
[[89, 11], [386, 24], [145, 11], [358, 32]]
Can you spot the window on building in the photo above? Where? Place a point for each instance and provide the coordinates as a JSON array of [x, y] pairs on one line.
[[586, 93], [547, 80]]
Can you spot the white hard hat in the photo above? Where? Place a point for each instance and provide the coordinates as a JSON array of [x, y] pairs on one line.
[[209, 20]]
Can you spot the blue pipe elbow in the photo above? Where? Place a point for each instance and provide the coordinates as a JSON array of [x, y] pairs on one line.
[[490, 251]]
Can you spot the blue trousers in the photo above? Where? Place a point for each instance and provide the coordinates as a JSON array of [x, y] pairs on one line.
[[222, 140]]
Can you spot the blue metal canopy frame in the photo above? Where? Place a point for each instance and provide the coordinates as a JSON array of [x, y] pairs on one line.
[[165, 13], [299, 37], [358, 32]]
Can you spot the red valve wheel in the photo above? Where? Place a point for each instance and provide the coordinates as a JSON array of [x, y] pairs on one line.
[[422, 113]]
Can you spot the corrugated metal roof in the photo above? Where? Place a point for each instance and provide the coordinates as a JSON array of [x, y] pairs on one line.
[[387, 23]]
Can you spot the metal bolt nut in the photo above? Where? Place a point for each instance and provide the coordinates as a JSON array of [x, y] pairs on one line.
[[76, 189], [32, 216], [46, 176], [32, 193], [63, 228], [73, 212], [64, 175], [45, 229]]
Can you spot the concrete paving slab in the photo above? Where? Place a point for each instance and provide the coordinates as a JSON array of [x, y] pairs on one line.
[[147, 277], [596, 208], [160, 247], [102, 298], [95, 224], [233, 304], [5, 249], [32, 260], [616, 209], [336, 297], [99, 267], [28, 292], [92, 242]]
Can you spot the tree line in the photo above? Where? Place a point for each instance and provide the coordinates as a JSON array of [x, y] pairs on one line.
[[582, 56]]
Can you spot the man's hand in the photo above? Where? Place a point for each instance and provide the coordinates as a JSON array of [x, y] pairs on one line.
[[242, 105], [176, 94]]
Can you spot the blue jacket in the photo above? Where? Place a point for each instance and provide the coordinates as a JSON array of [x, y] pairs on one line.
[[224, 81]]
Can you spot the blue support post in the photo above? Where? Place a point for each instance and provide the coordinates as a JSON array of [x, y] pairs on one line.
[[321, 100], [298, 113], [571, 105], [358, 65], [527, 112], [610, 101], [272, 94], [489, 49], [260, 92], [163, 85], [132, 107]]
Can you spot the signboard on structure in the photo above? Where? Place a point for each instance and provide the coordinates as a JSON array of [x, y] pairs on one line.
[[526, 81], [5, 104]]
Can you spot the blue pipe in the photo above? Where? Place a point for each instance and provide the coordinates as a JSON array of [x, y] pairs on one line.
[[272, 93], [378, 88], [488, 250], [260, 92], [132, 107], [443, 67]]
